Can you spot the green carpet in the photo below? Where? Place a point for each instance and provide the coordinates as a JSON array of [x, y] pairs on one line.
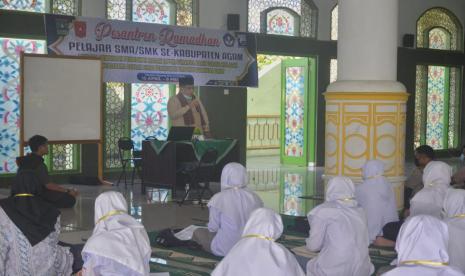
[[380, 256]]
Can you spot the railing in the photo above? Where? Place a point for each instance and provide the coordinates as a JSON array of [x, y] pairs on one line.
[[263, 132]]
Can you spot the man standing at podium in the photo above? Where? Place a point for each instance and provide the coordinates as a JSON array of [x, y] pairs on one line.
[[184, 109]]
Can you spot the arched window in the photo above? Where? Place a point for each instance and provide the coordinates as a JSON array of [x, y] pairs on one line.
[[280, 21], [66, 7], [298, 14], [439, 38], [18, 5], [179, 12], [334, 22], [60, 157], [10, 48], [117, 9], [438, 25], [153, 11], [147, 102], [437, 92]]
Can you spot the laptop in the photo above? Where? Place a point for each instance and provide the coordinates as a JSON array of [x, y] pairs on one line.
[[180, 133]]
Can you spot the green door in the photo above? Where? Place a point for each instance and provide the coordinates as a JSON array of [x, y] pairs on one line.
[[298, 111]]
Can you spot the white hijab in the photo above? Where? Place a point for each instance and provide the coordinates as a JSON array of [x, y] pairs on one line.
[[117, 235], [341, 190], [454, 207], [454, 204], [422, 248], [235, 201], [337, 227], [429, 200], [377, 198], [257, 253]]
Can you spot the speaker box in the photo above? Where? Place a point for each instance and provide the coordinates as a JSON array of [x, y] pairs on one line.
[[233, 22], [408, 40]]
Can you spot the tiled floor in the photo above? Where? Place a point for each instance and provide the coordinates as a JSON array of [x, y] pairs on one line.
[[279, 186]]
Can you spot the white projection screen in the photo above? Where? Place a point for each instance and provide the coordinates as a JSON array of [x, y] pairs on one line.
[[61, 98]]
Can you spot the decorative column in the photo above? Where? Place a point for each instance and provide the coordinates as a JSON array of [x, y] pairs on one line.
[[366, 106]]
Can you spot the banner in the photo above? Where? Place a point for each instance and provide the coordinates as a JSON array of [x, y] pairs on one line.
[[142, 52]]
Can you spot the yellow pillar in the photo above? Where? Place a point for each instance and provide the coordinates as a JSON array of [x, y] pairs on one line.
[[366, 125], [366, 106]]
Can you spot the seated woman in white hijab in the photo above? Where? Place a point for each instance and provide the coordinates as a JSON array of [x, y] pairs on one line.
[[257, 253], [119, 245], [422, 249], [229, 211], [338, 229], [454, 207], [430, 200], [377, 198]]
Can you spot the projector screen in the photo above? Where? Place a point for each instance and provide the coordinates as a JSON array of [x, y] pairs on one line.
[[61, 98]]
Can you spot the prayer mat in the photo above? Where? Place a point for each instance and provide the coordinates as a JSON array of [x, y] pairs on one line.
[[184, 255], [295, 241], [174, 270], [292, 240]]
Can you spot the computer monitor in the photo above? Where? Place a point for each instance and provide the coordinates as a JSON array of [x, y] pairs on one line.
[[178, 133]]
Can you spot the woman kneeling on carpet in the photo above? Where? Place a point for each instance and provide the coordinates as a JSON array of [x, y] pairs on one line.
[[229, 212], [422, 248], [338, 229], [454, 208], [376, 196], [119, 244], [257, 253]]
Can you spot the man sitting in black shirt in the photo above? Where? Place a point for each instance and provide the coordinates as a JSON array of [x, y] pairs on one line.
[[51, 192]]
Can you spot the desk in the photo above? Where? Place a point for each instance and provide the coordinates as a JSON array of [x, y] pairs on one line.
[[161, 160]]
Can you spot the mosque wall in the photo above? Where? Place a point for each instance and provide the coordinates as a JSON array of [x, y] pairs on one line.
[[213, 13], [324, 18]]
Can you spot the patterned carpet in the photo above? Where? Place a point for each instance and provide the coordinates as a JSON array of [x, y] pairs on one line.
[[188, 262]]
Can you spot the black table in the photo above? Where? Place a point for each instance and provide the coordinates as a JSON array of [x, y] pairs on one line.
[[161, 160]]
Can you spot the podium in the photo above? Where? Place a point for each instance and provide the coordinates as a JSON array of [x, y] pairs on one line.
[[162, 160]]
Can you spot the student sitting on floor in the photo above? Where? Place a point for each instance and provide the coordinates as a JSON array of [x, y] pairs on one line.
[[459, 176], [454, 207], [428, 201], [414, 183], [422, 249], [29, 230], [338, 229], [51, 192], [229, 211], [377, 198], [257, 253], [119, 244]]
